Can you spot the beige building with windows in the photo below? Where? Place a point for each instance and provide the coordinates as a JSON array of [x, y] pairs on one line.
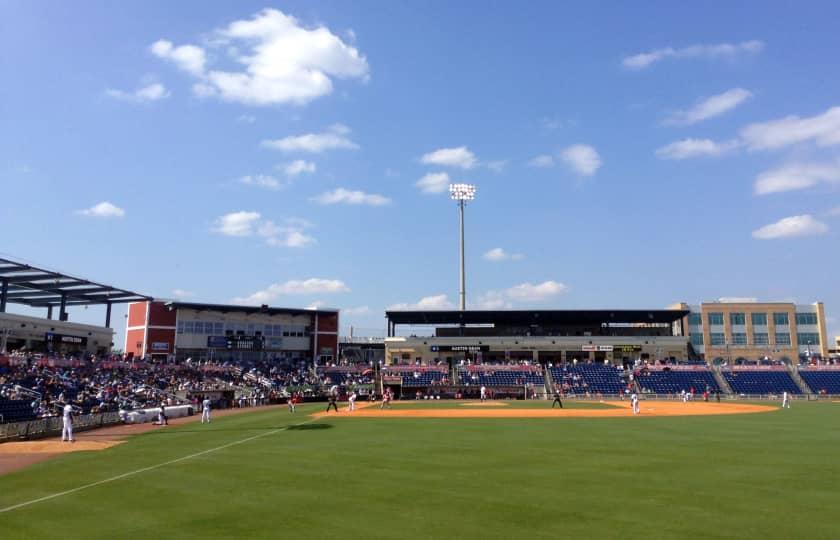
[[728, 330]]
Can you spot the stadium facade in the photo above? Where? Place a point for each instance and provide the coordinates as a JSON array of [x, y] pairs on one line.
[[162, 329], [717, 332], [732, 329]]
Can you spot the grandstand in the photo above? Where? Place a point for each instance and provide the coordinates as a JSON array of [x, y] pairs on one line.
[[588, 378], [760, 380], [500, 376], [676, 379], [822, 380]]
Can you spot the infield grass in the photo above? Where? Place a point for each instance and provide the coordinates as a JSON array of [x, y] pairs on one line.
[[767, 475]]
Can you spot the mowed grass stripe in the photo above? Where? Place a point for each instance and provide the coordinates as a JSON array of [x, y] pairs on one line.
[[770, 475]]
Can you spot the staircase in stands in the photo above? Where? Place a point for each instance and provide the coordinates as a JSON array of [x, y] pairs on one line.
[[721, 380], [797, 378]]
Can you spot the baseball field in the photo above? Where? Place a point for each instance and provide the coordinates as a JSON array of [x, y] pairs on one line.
[[445, 470]]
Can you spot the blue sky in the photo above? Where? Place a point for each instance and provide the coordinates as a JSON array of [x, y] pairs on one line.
[[624, 155]]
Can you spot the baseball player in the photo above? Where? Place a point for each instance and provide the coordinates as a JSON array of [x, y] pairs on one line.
[[291, 403], [352, 401], [67, 424], [332, 403], [205, 410], [162, 420], [386, 399], [483, 393], [634, 402], [785, 400]]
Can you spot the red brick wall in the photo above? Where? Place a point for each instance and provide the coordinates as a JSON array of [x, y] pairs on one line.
[[137, 314], [326, 341], [157, 335], [159, 315], [133, 337], [328, 322]]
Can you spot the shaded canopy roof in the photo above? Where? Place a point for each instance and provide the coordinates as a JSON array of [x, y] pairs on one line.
[[537, 317], [233, 308], [36, 287]]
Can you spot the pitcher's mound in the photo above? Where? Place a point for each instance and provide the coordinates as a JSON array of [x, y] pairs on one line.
[[484, 404]]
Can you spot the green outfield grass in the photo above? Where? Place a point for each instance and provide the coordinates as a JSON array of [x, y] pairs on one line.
[[769, 475]]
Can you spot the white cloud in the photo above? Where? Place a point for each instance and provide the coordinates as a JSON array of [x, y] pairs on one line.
[[187, 57], [246, 118], [804, 225], [317, 304], [355, 311], [719, 50], [298, 167], [527, 292], [543, 161], [690, 148], [261, 180], [309, 286], [822, 129], [335, 138], [151, 92], [440, 301], [796, 176], [345, 196], [451, 157], [181, 293], [498, 254], [711, 107], [434, 183], [282, 61], [103, 210], [496, 166], [492, 300], [581, 158], [242, 223], [237, 223]]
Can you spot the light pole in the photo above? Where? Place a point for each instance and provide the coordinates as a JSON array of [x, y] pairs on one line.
[[462, 193]]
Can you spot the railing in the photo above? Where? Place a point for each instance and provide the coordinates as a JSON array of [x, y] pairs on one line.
[[46, 427]]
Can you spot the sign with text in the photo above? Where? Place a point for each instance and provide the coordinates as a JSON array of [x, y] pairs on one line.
[[61, 339], [460, 348]]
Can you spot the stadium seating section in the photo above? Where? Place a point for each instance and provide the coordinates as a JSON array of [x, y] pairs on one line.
[[423, 378], [501, 378], [760, 382], [588, 378], [15, 410], [673, 382], [822, 382]]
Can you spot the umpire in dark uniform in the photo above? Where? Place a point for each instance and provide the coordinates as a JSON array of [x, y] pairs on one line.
[[332, 402], [556, 399]]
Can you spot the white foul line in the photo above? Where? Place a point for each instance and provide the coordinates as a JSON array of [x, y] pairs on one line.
[[151, 468]]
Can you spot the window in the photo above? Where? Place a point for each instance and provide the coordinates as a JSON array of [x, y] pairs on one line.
[[694, 319], [697, 340], [180, 327], [718, 338], [218, 328], [737, 319], [251, 329], [278, 330], [806, 318], [780, 319], [716, 319], [807, 338], [739, 339], [782, 338], [759, 319], [188, 327], [761, 338]]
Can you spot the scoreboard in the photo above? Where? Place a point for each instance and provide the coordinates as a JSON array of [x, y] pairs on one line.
[[236, 343]]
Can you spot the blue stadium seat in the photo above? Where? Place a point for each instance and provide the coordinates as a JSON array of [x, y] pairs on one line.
[[761, 382], [674, 382], [595, 378], [821, 382]]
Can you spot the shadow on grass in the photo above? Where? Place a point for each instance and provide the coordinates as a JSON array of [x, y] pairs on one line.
[[306, 427]]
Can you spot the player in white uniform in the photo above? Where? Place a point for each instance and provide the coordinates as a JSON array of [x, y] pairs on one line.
[[634, 402], [483, 393], [205, 410], [785, 400], [67, 427], [352, 401], [291, 402]]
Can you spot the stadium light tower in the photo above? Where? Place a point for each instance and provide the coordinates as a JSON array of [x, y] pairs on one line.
[[462, 193]]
